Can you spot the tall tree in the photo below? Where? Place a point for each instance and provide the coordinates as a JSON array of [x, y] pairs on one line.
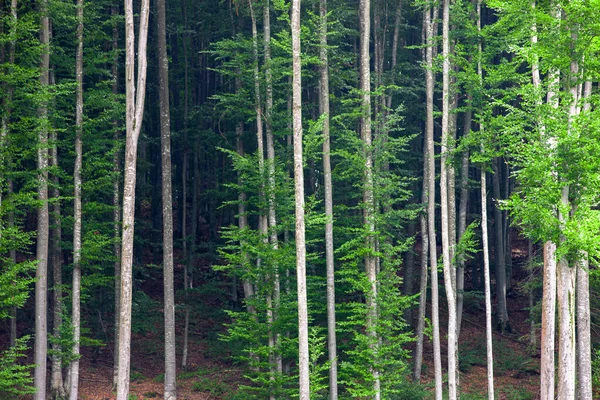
[[167, 204], [133, 122], [299, 205], [77, 214], [431, 16], [41, 283], [329, 258]]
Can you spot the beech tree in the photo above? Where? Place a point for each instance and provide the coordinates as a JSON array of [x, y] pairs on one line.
[[133, 120]]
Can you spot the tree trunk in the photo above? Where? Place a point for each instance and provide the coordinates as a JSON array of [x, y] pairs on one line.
[[486, 274], [446, 256], [548, 322], [271, 180], [167, 205], [329, 256], [430, 20], [499, 254], [299, 199], [41, 283], [368, 196], [462, 217], [423, 283], [134, 115], [77, 214]]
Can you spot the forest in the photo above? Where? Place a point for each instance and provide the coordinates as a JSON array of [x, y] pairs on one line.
[[326, 199]]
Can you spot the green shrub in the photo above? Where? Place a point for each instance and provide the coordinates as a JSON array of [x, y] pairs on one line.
[[15, 379]]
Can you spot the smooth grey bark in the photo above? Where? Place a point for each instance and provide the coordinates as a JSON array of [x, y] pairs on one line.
[[449, 273], [531, 299], [77, 214], [431, 28], [303, 358], [170, 380], [116, 203], [327, 185], [500, 260], [41, 274], [133, 121], [368, 186]]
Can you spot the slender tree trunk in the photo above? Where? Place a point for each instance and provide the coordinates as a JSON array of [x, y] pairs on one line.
[[486, 277], [368, 196], [116, 197], [57, 383], [499, 254], [167, 205], [134, 115], [329, 257], [184, 233], [299, 199], [77, 214], [41, 283], [447, 261], [462, 217], [423, 283], [271, 181], [431, 19], [530, 295]]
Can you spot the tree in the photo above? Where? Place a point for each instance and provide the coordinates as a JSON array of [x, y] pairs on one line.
[[299, 206], [41, 283], [77, 217], [430, 17], [449, 277], [329, 256], [167, 205], [133, 122]]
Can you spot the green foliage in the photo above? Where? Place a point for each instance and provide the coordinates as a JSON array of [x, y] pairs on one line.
[[15, 378]]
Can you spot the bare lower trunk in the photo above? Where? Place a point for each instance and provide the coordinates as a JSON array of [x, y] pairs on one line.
[[303, 357], [584, 343], [548, 322], [329, 257], [170, 392]]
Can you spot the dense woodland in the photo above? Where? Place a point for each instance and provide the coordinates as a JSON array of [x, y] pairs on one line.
[[359, 199]]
